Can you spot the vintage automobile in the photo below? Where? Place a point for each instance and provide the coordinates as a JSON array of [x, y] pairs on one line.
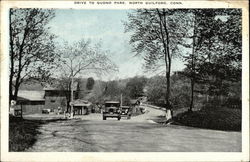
[[126, 111], [46, 111], [111, 110]]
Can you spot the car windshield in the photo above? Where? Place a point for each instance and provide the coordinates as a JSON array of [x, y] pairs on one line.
[[112, 104]]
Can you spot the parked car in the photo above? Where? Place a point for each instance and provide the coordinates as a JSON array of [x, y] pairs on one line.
[[112, 110], [126, 111]]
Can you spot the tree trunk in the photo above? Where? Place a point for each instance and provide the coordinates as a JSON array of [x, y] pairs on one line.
[[20, 68], [192, 96], [168, 91], [15, 93], [167, 56], [17, 84], [193, 68], [11, 62], [10, 84]]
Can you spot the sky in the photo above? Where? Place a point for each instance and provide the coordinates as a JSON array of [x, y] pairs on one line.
[[102, 25]]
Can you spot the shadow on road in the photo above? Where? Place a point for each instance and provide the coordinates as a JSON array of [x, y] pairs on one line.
[[23, 132]]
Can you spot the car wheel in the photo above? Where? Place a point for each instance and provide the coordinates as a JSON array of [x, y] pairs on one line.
[[119, 118]]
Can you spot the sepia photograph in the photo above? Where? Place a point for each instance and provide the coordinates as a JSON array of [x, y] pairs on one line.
[[124, 80]]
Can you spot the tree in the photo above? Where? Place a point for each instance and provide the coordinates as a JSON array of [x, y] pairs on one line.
[[157, 36], [200, 20], [156, 88], [214, 57], [31, 47], [82, 57], [90, 83], [180, 97], [112, 90], [135, 86]]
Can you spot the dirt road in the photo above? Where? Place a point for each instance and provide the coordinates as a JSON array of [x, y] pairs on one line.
[[91, 134]]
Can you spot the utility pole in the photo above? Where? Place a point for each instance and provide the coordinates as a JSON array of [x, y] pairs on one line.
[[72, 97], [121, 100]]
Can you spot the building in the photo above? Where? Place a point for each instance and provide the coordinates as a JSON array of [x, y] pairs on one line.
[[52, 99], [81, 107], [31, 102], [134, 102], [56, 99]]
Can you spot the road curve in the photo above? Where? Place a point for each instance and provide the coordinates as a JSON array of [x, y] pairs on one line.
[[92, 134]]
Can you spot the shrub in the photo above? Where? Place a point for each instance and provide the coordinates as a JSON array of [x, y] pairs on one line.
[[22, 133]]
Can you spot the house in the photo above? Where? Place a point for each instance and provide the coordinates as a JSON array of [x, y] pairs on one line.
[[30, 101]]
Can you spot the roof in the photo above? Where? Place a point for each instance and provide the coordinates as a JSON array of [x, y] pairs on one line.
[[30, 95], [133, 101], [80, 102], [58, 87], [54, 89]]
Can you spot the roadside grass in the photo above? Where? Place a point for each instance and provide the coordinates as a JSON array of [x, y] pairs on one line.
[[219, 119], [23, 132]]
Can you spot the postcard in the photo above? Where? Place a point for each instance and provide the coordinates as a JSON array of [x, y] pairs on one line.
[[124, 80]]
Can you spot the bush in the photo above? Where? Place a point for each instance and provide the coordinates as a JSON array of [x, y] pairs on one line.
[[233, 103], [22, 133]]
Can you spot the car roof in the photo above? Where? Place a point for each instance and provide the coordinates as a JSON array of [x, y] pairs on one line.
[[112, 102]]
